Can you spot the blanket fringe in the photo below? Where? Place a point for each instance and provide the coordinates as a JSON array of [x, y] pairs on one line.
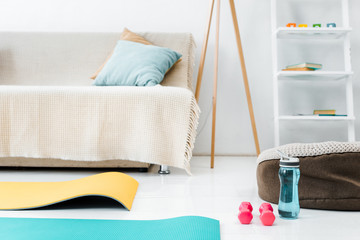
[[191, 135]]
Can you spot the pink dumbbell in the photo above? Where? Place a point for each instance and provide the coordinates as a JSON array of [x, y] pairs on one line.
[[245, 216], [267, 216]]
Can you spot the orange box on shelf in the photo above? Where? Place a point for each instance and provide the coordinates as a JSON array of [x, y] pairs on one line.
[[291, 25]]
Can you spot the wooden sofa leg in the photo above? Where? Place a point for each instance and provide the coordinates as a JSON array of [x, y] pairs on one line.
[[164, 169]]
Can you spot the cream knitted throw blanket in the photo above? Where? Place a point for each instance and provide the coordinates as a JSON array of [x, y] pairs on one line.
[[309, 149], [147, 124]]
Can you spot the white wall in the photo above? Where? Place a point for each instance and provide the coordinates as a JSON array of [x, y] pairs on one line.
[[234, 134]]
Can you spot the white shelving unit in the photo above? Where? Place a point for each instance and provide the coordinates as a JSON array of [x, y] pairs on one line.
[[345, 75]]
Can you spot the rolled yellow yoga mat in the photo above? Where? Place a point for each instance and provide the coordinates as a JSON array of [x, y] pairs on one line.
[[26, 195]]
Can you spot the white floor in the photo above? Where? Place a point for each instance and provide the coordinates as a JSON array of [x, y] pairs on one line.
[[215, 193]]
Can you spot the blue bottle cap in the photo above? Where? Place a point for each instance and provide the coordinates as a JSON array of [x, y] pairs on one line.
[[287, 161]]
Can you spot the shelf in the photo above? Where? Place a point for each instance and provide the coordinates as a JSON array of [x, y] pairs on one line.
[[317, 118], [311, 33], [308, 40], [313, 75]]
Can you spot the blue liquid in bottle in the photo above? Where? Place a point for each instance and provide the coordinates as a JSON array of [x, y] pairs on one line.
[[289, 174]]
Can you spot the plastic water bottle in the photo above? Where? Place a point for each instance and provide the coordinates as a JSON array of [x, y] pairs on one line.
[[289, 174]]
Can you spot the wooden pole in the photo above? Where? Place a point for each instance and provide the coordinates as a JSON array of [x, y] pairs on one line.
[[216, 58], [216, 67], [243, 69], [203, 51]]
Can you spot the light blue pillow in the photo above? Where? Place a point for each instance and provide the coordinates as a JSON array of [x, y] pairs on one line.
[[136, 64]]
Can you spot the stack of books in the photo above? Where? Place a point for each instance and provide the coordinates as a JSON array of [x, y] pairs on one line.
[[303, 67], [322, 113], [327, 113]]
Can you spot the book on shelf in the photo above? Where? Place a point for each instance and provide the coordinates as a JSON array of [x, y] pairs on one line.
[[331, 115], [322, 115], [298, 69], [314, 66], [327, 112]]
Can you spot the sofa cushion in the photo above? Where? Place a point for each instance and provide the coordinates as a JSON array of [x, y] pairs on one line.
[[136, 64], [128, 36], [329, 175], [133, 37]]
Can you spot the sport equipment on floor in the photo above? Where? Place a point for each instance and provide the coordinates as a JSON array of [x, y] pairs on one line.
[[267, 216], [25, 195], [181, 228], [245, 216]]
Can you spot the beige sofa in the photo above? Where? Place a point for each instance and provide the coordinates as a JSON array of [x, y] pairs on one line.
[[51, 116]]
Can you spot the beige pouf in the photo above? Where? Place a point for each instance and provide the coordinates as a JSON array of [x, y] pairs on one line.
[[329, 174]]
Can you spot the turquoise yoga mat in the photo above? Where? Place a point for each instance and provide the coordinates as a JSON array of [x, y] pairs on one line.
[[187, 228]]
